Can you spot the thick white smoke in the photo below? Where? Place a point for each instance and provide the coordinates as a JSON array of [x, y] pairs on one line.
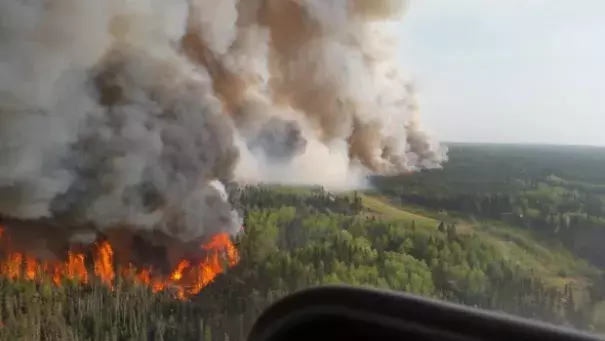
[[128, 113]]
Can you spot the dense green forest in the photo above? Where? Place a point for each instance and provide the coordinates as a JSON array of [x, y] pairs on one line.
[[515, 229], [557, 192]]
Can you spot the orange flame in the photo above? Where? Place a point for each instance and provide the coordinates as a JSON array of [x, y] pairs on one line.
[[104, 263], [185, 279], [31, 268], [76, 268]]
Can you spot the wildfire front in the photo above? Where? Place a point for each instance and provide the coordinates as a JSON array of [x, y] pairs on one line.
[[110, 256]]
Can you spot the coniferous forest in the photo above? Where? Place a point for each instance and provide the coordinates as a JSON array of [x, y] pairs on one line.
[[514, 229]]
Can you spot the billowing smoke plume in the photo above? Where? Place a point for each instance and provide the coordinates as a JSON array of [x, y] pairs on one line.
[[128, 113]]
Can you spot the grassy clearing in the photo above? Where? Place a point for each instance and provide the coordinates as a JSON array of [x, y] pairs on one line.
[[383, 208]]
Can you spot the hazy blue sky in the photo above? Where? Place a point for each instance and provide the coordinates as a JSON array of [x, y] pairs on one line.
[[509, 70]]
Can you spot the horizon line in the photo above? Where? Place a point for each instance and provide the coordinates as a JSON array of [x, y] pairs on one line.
[[535, 144]]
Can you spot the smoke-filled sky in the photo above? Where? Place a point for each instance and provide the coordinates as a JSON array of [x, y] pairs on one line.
[[133, 115], [521, 71]]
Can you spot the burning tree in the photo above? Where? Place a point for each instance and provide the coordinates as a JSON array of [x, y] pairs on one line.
[[102, 262]]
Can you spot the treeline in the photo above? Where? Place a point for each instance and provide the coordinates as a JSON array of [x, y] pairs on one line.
[[292, 241], [316, 201]]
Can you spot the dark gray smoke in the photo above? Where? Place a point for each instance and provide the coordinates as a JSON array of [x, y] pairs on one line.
[[279, 140]]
